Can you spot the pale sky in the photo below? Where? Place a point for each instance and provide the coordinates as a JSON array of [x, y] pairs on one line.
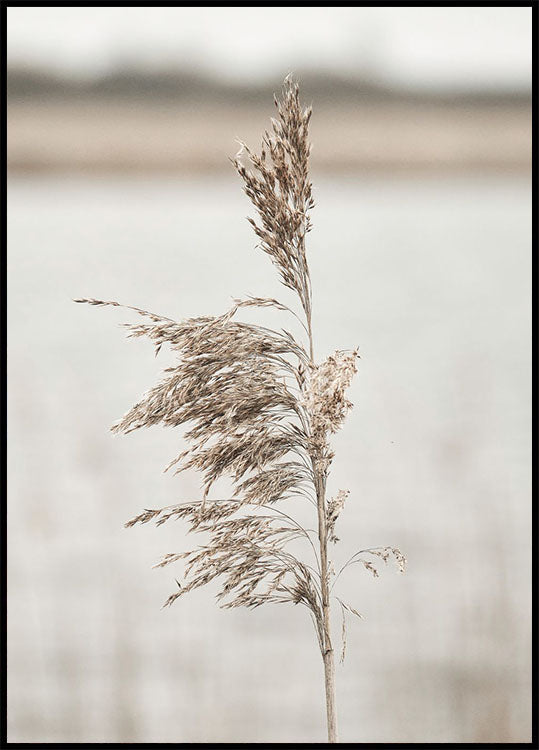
[[473, 47]]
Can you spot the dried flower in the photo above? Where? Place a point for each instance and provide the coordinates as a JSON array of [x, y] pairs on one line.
[[334, 508], [325, 396], [257, 410]]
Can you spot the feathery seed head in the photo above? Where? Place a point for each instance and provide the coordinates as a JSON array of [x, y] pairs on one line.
[[325, 397], [258, 409], [334, 507]]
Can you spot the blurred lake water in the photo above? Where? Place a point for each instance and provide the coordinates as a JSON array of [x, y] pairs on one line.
[[432, 279]]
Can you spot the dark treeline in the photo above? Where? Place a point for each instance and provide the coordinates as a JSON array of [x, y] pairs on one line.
[[177, 86]]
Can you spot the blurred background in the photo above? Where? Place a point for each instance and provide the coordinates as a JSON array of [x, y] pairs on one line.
[[120, 125]]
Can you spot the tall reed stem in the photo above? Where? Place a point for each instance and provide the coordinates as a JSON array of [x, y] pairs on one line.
[[231, 385], [327, 647], [328, 655]]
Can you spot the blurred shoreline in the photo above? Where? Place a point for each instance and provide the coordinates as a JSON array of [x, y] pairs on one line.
[[176, 124], [124, 137]]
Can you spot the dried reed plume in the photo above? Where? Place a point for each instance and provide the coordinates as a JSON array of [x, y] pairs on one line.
[[259, 410]]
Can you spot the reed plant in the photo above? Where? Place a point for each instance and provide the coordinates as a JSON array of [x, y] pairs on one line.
[[260, 410]]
